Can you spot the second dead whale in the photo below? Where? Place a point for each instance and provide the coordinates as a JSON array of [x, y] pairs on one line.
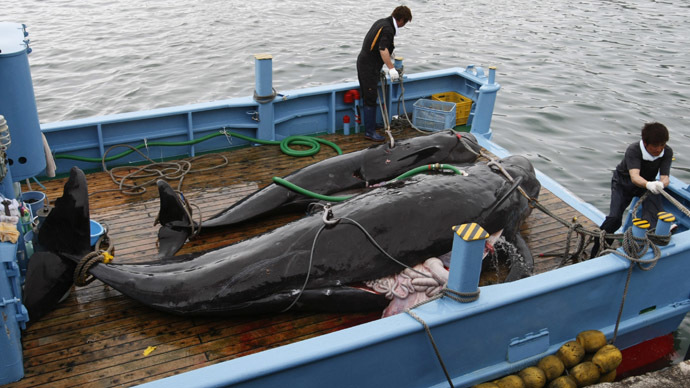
[[411, 220]]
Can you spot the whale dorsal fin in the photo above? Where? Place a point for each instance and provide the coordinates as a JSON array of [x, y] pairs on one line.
[[176, 226]]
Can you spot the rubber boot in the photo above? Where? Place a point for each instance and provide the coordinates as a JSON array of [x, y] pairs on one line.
[[370, 124]]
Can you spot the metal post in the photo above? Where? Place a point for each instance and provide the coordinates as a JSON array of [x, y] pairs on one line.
[[263, 70], [346, 125], [398, 63], [639, 229], [492, 75], [466, 257], [663, 226], [484, 106]]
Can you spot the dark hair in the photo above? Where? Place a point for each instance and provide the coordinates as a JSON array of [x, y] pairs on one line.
[[654, 134], [402, 13]]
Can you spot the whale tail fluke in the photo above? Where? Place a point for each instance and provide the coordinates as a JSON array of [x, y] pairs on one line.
[[175, 219], [63, 238], [66, 228], [48, 280]]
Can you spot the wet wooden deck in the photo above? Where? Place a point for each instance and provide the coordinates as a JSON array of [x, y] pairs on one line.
[[99, 338]]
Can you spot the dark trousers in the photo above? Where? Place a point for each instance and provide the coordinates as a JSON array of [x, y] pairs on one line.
[[622, 194], [368, 75]]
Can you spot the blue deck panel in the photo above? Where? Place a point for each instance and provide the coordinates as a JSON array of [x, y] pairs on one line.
[[294, 112]]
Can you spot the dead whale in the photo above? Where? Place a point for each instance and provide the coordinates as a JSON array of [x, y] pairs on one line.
[[318, 263], [350, 171]]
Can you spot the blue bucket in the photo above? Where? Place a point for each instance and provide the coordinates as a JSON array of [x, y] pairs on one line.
[[34, 200], [96, 231]]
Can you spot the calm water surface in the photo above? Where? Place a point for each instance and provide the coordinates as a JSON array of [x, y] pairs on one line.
[[579, 78]]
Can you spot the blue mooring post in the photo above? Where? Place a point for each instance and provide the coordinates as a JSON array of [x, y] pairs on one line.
[[640, 228], [484, 106], [263, 94], [466, 257], [663, 225], [398, 63]]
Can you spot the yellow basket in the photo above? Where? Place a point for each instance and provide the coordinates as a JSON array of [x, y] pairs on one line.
[[463, 105]]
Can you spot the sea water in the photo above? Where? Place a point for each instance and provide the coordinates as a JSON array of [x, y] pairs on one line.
[[579, 78]]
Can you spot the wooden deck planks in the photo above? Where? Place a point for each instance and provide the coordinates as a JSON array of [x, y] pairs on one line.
[[97, 337]]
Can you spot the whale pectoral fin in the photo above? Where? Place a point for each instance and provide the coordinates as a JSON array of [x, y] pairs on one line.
[[48, 279], [524, 266], [66, 229], [176, 226]]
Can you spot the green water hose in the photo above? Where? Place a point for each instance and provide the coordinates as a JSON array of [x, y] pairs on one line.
[[308, 193], [429, 167], [414, 171], [313, 142]]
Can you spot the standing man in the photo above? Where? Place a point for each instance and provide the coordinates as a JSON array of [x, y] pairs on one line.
[[377, 50], [643, 161]]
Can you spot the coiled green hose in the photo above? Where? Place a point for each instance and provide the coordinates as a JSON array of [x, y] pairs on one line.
[[313, 142]]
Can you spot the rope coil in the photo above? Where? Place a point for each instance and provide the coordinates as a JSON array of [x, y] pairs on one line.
[[81, 271], [265, 99], [155, 170]]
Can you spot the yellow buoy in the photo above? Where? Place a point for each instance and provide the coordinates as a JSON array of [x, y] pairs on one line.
[[512, 381], [563, 382], [585, 374], [486, 385], [552, 367], [571, 353], [591, 340], [533, 377], [607, 358], [608, 378]]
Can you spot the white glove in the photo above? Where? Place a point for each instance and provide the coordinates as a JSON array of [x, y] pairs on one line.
[[655, 187], [394, 74]]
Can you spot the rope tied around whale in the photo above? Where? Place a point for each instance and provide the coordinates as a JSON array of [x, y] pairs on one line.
[[329, 220], [81, 271]]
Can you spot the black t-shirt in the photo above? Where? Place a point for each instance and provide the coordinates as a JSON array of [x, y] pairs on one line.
[[648, 169], [379, 37]]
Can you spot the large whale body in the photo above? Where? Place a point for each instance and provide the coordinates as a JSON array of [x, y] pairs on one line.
[[351, 171], [354, 170], [310, 264]]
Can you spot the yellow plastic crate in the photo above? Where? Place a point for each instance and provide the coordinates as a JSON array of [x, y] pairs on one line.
[[463, 105]]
